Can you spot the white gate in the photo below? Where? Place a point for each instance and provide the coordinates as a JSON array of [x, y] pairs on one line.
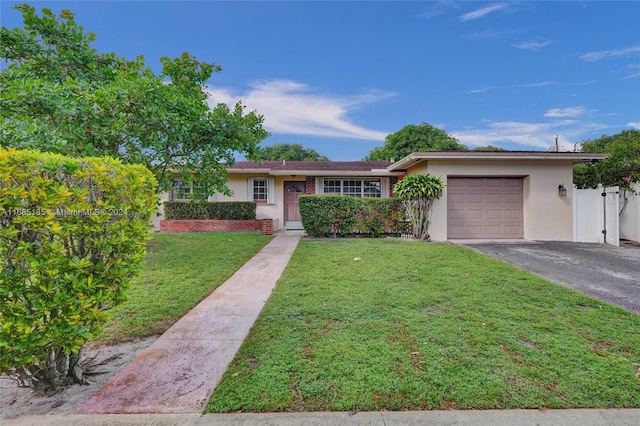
[[630, 216], [611, 216], [587, 215], [595, 215]]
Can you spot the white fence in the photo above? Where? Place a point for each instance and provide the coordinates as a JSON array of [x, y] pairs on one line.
[[630, 217], [605, 215]]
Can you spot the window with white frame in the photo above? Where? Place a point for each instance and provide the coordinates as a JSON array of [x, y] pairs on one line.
[[261, 190], [181, 191], [355, 187]]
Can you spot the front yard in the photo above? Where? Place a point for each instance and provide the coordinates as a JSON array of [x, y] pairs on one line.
[[375, 324], [180, 271]]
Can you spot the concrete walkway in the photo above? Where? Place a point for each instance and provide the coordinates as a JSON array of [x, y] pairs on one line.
[[180, 370], [595, 417]]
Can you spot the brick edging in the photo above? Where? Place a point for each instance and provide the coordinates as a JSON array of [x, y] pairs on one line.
[[208, 225]]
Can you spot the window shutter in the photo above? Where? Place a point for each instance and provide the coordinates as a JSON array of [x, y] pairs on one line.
[[319, 185], [271, 190], [250, 189], [385, 190]]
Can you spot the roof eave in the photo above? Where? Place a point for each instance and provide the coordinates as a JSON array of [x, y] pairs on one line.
[[359, 173], [418, 157]]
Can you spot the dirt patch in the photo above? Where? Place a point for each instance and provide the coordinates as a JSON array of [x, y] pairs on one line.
[[105, 362]]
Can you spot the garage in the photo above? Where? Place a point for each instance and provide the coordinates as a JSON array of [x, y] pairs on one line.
[[484, 207]]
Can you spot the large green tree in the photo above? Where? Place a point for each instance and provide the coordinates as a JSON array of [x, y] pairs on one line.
[[414, 138], [621, 168], [59, 94], [289, 152]]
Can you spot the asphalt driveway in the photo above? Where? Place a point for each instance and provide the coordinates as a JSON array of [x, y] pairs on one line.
[[608, 273]]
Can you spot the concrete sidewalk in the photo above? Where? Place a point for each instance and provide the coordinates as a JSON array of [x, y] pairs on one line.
[[595, 417], [180, 370]]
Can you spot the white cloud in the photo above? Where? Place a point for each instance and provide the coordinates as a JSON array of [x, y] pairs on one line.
[[634, 124], [479, 13], [529, 136], [538, 84], [566, 112], [437, 8], [513, 86], [291, 107], [615, 53], [635, 73], [532, 45]]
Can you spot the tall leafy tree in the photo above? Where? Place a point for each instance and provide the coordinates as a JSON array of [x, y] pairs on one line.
[[290, 152], [61, 95], [414, 138], [621, 168]]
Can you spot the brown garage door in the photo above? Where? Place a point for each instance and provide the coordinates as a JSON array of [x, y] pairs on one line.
[[484, 208]]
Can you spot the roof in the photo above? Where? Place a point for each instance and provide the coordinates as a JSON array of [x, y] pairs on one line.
[[315, 168], [418, 157]]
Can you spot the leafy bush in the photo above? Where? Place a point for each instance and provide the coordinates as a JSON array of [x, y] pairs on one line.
[[380, 216], [418, 193], [324, 215], [72, 236], [236, 210]]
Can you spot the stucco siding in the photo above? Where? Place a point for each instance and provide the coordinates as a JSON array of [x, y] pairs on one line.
[[546, 215]]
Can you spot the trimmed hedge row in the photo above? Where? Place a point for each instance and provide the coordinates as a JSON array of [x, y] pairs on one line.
[[217, 210], [325, 215]]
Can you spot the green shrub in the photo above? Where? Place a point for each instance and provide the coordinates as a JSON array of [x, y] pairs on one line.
[[226, 210], [418, 193], [380, 216], [324, 215], [72, 236]]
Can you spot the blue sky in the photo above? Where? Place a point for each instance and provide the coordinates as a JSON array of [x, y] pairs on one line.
[[340, 76]]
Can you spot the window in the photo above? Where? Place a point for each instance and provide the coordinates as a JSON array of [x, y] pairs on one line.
[[353, 187], [261, 190], [181, 191], [260, 193]]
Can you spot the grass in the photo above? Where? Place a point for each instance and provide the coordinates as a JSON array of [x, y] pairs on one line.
[[415, 326], [180, 271]]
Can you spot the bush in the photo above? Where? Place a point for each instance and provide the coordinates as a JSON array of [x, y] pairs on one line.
[[380, 216], [418, 193], [72, 236], [324, 215], [236, 210]]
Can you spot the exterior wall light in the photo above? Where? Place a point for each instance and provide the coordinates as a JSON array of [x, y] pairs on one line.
[[562, 191]]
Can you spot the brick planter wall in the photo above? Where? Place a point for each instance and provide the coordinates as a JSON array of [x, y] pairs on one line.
[[217, 226], [310, 185], [266, 226]]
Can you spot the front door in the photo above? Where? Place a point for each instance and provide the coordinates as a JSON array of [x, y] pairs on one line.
[[292, 190]]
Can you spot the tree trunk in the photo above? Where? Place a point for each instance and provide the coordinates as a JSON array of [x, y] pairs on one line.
[[418, 211], [59, 368]]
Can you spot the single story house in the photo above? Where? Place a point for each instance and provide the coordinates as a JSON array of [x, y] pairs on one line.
[[489, 195], [276, 185]]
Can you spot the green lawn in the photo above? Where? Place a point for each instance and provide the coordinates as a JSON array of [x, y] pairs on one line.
[[180, 271], [414, 326]]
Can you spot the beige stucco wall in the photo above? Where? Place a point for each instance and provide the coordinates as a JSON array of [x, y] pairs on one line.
[[238, 183], [159, 214], [547, 216]]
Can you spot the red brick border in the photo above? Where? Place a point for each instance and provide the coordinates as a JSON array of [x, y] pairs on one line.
[[264, 225]]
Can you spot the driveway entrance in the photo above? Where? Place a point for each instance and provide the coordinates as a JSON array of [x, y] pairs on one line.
[[611, 274]]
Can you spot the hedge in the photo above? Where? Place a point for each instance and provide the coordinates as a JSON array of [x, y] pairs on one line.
[[72, 235], [220, 210], [325, 215]]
